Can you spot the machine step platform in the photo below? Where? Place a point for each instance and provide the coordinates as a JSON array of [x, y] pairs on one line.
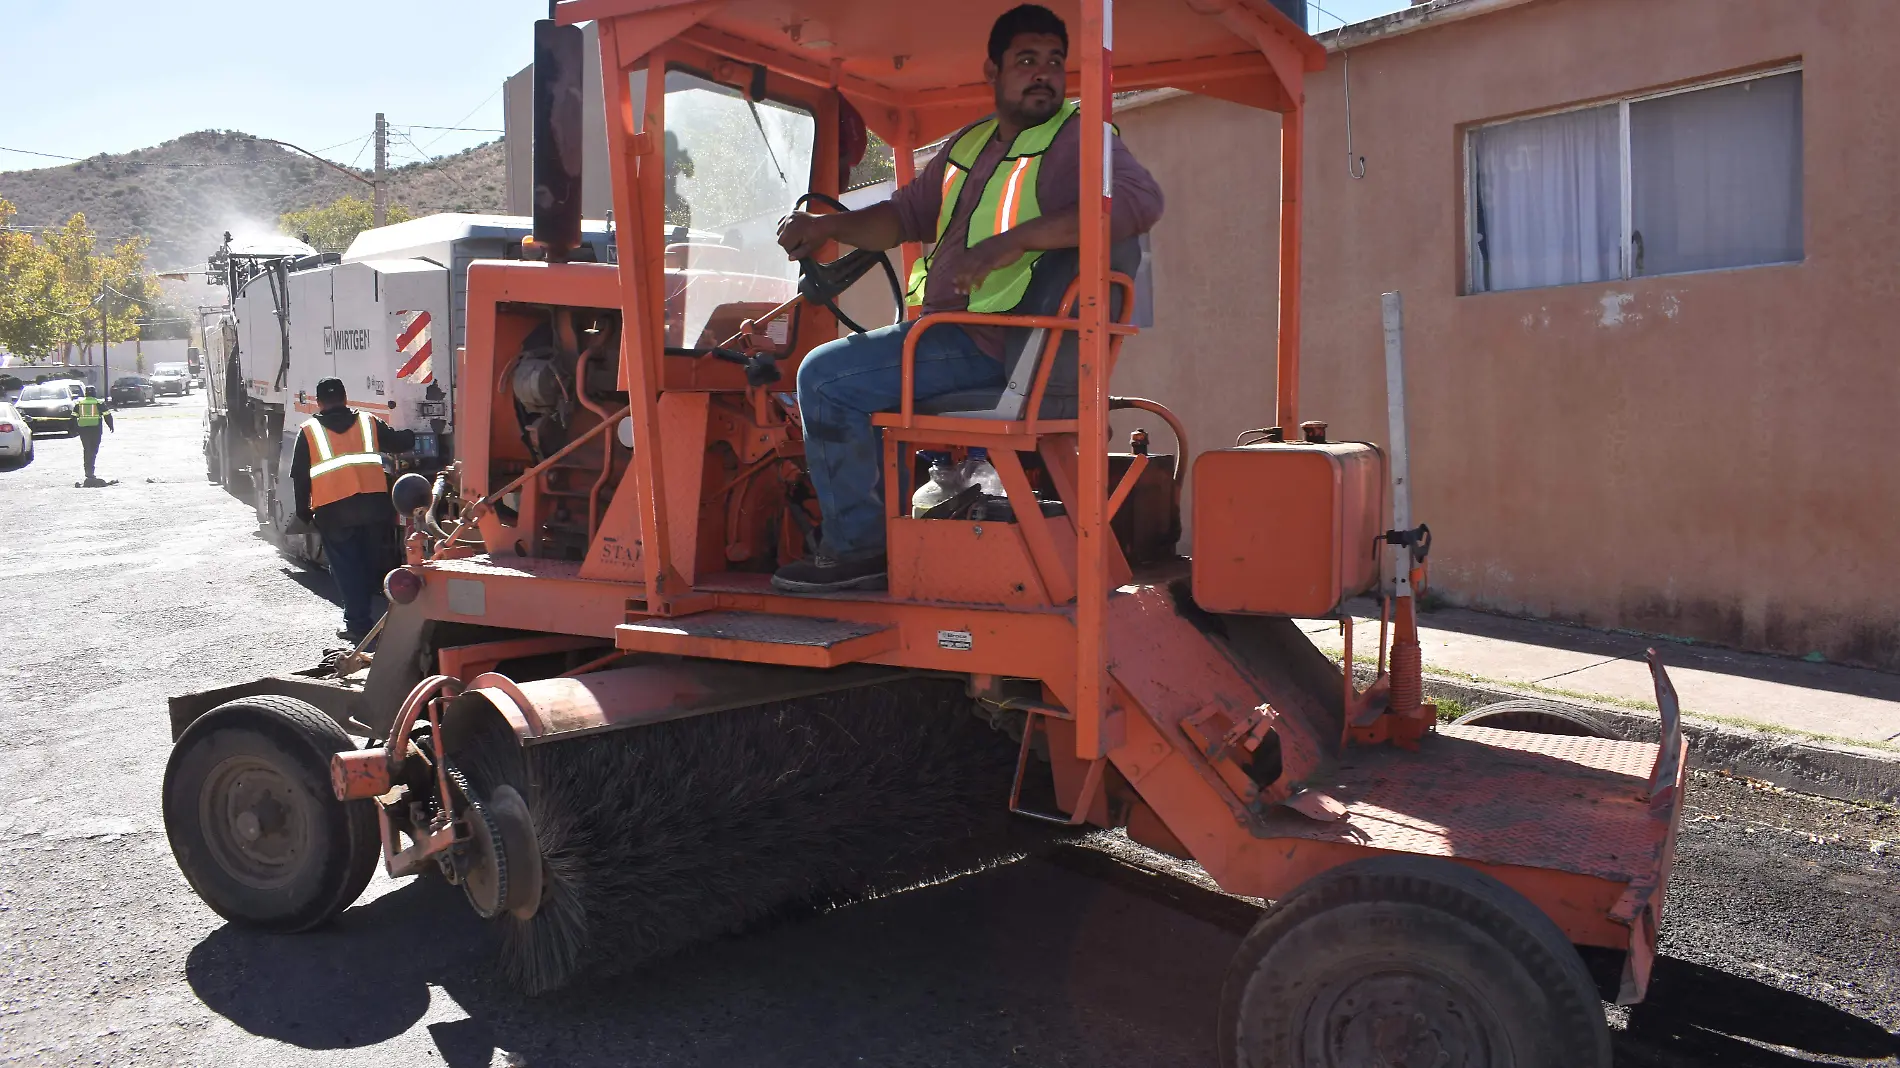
[[761, 638]]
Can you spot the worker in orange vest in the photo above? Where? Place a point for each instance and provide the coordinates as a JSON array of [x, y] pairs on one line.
[[343, 490]]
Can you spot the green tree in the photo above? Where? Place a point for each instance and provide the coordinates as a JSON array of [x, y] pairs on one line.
[[878, 165], [131, 292], [29, 292], [334, 225], [51, 286]]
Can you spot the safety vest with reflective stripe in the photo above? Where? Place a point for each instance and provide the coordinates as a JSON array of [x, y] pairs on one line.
[[1008, 201], [346, 464], [86, 411]]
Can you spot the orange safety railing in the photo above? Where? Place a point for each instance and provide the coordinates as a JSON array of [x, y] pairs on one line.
[[1063, 321]]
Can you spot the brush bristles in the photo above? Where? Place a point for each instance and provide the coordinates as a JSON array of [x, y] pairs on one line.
[[660, 836]]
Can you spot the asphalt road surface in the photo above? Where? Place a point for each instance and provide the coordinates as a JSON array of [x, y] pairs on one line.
[[1782, 942]]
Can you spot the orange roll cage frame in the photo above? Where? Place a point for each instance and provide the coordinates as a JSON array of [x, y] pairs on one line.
[[1264, 66]]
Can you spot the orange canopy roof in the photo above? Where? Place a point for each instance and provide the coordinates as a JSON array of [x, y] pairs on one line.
[[924, 61]]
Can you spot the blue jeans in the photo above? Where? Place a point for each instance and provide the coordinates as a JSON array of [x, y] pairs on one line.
[[357, 557], [840, 384]]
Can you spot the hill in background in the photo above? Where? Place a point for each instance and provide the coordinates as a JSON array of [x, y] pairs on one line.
[[184, 194]]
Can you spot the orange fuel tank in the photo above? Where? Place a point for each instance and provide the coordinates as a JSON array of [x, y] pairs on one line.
[[1287, 529]]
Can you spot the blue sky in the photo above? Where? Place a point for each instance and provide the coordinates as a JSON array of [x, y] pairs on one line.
[[1332, 14], [114, 75]]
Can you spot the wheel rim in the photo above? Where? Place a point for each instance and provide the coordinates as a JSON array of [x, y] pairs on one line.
[[1401, 1019], [256, 822]]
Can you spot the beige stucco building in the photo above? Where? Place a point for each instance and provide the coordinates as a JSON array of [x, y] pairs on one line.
[[1650, 333]]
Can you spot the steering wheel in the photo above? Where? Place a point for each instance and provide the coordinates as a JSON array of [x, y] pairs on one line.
[[823, 283]]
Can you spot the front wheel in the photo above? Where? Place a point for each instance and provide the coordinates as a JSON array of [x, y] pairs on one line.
[[253, 822], [1409, 961]]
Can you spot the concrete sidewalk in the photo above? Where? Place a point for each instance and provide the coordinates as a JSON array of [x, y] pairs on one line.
[[1855, 705]]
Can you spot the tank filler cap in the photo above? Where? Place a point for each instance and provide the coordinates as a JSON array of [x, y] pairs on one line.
[[1313, 431]]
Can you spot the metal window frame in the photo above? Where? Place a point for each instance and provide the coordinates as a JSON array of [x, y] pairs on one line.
[[1625, 250]]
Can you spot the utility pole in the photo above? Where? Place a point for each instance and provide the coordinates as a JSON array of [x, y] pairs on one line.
[[382, 163], [105, 358]]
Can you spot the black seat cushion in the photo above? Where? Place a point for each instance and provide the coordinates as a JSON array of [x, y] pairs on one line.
[[1048, 280]]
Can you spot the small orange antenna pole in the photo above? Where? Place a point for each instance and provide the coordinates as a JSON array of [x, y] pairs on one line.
[[1091, 600], [1287, 368]]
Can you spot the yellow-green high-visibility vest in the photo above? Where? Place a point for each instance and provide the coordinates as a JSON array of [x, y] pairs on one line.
[[1008, 200], [86, 411]]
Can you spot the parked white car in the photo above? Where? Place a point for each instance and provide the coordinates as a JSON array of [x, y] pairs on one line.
[[171, 380], [49, 405], [16, 438]]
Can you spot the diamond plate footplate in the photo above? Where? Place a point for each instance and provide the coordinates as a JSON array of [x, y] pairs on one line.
[[760, 638], [758, 627], [1500, 797]]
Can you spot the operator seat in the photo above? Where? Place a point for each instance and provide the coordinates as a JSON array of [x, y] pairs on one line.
[[1023, 347]]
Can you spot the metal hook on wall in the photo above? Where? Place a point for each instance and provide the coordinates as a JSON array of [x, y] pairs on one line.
[[1355, 165]]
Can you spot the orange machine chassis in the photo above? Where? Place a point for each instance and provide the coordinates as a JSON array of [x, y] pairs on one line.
[[1157, 720]]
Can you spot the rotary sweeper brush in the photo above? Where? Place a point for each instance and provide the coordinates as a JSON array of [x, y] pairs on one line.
[[589, 708], [645, 841]]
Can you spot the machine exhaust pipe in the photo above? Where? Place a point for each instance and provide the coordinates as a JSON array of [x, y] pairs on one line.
[[558, 121]]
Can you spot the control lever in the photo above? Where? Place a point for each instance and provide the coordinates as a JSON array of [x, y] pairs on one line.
[[761, 369]]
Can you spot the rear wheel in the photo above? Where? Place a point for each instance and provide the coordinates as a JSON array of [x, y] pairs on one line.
[[1414, 962], [252, 819], [1540, 717]]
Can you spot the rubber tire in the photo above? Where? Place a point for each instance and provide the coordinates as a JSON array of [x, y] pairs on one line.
[[1541, 717], [1384, 912], [298, 740]]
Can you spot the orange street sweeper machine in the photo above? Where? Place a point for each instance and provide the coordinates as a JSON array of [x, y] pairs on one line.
[[588, 707]]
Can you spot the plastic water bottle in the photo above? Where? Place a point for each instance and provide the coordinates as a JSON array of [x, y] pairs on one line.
[[978, 470], [946, 481]]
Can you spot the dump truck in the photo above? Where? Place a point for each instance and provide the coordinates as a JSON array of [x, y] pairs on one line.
[[589, 708], [385, 316]]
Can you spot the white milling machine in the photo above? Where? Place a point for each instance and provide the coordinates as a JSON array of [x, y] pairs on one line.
[[386, 317]]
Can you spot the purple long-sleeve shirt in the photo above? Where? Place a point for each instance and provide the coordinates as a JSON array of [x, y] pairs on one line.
[[1135, 209]]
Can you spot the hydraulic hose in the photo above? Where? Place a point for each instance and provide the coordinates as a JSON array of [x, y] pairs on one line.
[[1174, 427]]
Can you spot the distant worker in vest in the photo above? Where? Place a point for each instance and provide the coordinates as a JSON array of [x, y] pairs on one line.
[[342, 489], [989, 221], [89, 412]]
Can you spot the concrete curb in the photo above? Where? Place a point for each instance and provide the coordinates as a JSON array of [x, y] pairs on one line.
[[1842, 771]]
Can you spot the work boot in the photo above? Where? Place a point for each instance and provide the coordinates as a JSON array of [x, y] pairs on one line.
[[352, 636], [823, 573], [94, 482]]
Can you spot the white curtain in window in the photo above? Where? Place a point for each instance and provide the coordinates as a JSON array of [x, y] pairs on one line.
[[1716, 177], [1549, 202]]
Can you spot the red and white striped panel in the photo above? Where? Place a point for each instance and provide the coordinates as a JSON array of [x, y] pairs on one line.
[[417, 348]]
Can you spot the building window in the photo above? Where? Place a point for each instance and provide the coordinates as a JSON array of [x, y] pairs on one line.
[[1694, 179]]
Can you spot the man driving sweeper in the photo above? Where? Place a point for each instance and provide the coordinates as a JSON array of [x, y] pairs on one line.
[[981, 262]]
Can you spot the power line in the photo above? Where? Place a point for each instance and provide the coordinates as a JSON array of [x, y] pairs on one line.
[[471, 111], [107, 160], [30, 152], [351, 141], [444, 171], [464, 129], [1328, 14]]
